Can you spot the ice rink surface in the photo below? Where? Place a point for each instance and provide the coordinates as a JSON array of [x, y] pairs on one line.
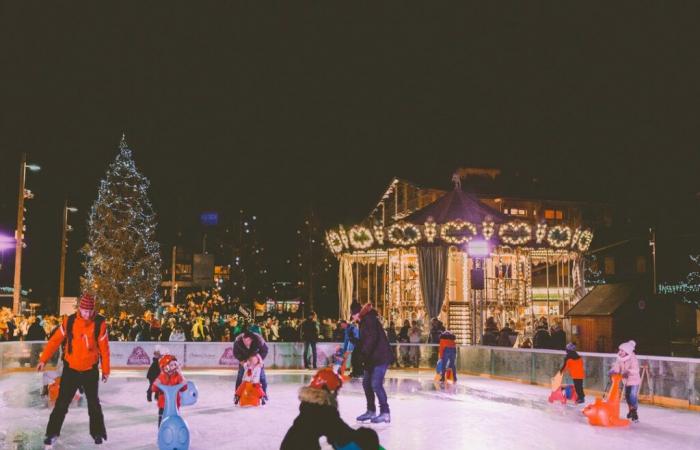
[[479, 414]]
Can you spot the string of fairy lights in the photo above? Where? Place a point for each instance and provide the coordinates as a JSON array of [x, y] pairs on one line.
[[516, 233]]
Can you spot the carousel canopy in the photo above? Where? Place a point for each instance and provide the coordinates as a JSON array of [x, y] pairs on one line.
[[457, 205]]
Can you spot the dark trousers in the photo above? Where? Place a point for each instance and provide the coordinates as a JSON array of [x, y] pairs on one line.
[[160, 415], [70, 381], [578, 385], [308, 344], [241, 372], [449, 355], [373, 384]]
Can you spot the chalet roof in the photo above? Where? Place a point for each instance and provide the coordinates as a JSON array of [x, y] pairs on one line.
[[605, 299]]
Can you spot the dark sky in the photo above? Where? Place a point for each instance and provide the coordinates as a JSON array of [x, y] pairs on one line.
[[273, 109]]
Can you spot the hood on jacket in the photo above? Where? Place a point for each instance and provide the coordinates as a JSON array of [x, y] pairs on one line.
[[365, 310], [321, 397]]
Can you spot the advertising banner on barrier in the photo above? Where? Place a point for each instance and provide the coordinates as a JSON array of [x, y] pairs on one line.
[[291, 354], [210, 354], [140, 354]]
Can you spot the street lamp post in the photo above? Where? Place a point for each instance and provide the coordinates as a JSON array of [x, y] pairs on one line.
[[19, 232], [64, 249]]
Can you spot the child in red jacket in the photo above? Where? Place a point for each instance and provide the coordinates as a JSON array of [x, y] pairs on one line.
[[574, 364], [169, 376]]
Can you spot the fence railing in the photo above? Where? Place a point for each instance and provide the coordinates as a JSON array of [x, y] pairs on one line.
[[668, 380]]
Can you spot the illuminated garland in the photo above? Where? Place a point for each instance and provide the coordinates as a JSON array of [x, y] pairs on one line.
[[456, 226], [541, 232], [430, 230], [402, 230], [577, 235], [344, 237], [360, 237], [334, 242], [559, 236], [487, 229], [379, 234], [515, 233], [584, 241]]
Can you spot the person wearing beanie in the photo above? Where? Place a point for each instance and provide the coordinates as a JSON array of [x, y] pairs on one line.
[[319, 416], [627, 365], [83, 337], [170, 375], [153, 373], [574, 364], [376, 355]]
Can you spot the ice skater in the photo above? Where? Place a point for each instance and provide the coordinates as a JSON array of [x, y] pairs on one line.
[[170, 375], [246, 346], [249, 392], [319, 416], [376, 355], [627, 365], [153, 373], [85, 344], [574, 364], [447, 352]]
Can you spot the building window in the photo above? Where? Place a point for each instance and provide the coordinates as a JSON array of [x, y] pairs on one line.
[[641, 264], [515, 212], [553, 214], [609, 265]]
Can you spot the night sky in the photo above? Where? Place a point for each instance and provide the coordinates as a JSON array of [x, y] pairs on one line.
[[279, 109]]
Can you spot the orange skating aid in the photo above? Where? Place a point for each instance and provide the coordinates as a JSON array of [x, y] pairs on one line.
[[250, 394], [607, 413]]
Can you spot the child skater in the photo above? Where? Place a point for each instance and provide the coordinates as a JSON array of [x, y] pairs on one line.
[[319, 416], [153, 373], [170, 375], [447, 352], [627, 365], [250, 392], [574, 364]]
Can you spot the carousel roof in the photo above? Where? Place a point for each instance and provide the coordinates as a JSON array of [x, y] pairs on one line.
[[457, 205]]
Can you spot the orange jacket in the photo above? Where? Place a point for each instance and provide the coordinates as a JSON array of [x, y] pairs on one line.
[[447, 340], [168, 380], [575, 368], [86, 352]]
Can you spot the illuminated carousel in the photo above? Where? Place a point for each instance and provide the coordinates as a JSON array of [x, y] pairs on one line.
[[461, 260]]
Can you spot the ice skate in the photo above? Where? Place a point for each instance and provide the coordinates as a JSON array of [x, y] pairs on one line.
[[369, 415], [49, 442], [382, 418]]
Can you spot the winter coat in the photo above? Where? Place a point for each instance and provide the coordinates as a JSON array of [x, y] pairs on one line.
[[403, 333], [168, 380], [374, 345], [257, 347], [177, 336], [318, 416], [629, 368], [574, 364], [36, 332], [435, 332], [447, 340], [86, 350], [557, 340], [352, 335], [309, 331], [541, 339], [153, 371]]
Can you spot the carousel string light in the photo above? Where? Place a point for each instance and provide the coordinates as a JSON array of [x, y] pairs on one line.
[[577, 235], [430, 230], [487, 229], [457, 227], [334, 242], [344, 237], [360, 237], [379, 234], [559, 236], [515, 233], [541, 232], [398, 234], [584, 241]]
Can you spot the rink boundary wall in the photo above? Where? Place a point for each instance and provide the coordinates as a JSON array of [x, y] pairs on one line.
[[672, 382]]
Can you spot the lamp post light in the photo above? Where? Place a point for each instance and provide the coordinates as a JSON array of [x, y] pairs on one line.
[[64, 249], [24, 194]]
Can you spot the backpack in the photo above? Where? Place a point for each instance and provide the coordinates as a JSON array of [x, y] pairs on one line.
[[68, 338]]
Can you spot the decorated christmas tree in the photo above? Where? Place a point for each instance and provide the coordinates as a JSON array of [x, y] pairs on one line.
[[122, 257]]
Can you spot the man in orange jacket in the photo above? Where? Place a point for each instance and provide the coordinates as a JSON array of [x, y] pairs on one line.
[[84, 339]]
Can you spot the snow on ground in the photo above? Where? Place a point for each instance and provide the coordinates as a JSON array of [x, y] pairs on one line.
[[478, 414]]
